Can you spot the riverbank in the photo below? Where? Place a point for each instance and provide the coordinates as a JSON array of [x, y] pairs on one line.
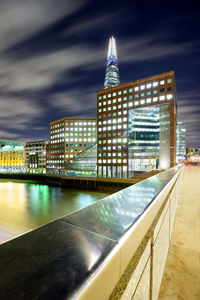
[[99, 184]]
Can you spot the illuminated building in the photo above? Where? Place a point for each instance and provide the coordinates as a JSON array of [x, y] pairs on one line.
[[11, 156], [35, 156], [181, 142], [68, 137], [112, 71], [136, 125]]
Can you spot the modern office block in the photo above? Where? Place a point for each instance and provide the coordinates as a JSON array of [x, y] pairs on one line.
[[136, 125], [35, 156], [68, 137], [11, 156], [181, 142]]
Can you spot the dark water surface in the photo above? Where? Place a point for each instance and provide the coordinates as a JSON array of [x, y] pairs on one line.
[[27, 205]]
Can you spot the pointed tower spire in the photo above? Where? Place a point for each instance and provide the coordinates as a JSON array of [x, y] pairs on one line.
[[112, 71]]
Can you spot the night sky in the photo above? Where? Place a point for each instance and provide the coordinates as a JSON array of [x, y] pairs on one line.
[[53, 58]]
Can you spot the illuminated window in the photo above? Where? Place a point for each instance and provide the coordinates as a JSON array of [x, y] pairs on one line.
[[114, 100], [124, 98], [155, 83], [136, 88], [109, 95], [130, 104], [142, 87], [162, 97], [136, 96], [169, 96], [148, 93], [136, 103], [148, 85], [119, 99], [125, 92], [142, 101], [114, 94], [119, 93], [125, 105], [104, 96], [162, 82], [130, 97], [148, 100], [169, 80]]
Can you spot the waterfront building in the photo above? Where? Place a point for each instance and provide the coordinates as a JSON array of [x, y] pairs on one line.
[[35, 156], [112, 71], [136, 125], [181, 142], [11, 156], [68, 137]]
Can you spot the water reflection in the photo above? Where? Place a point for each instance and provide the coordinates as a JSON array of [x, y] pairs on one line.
[[29, 205]]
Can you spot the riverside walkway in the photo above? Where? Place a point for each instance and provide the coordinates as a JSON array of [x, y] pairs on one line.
[[181, 279]]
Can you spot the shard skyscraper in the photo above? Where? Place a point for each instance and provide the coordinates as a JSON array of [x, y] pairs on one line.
[[112, 71]]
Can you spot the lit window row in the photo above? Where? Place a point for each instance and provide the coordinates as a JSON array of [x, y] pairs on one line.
[[114, 160], [80, 129], [114, 141], [114, 127], [136, 88], [80, 139], [114, 121]]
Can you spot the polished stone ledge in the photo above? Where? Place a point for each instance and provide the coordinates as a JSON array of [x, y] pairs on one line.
[[63, 259]]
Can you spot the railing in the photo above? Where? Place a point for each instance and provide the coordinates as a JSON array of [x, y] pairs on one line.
[[115, 248]]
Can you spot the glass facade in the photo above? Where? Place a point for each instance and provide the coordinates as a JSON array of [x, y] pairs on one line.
[[148, 138], [83, 164], [181, 142]]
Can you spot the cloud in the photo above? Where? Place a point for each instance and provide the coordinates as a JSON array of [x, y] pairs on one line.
[[20, 19], [73, 101]]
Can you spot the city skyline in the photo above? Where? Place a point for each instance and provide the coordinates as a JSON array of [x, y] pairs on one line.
[[53, 59]]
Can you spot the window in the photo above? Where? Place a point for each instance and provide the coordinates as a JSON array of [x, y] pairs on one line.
[[169, 88], [148, 85], [114, 94], [136, 88], [162, 90], [104, 96], [169, 80], [109, 95], [169, 96], [136, 103], [162, 97], [148, 100], [155, 83], [124, 98], [148, 93], [119, 93], [142, 101], [125, 92], [142, 94], [142, 87], [162, 82], [130, 97], [130, 90], [155, 91]]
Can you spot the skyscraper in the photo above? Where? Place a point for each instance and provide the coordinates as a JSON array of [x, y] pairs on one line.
[[112, 71]]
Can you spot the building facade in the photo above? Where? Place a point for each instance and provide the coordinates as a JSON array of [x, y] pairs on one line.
[[35, 156], [68, 137], [181, 142], [136, 125], [11, 156]]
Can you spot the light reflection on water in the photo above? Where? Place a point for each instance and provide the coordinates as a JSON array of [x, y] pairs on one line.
[[30, 205]]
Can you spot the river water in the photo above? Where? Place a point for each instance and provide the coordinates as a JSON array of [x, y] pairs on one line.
[[27, 205]]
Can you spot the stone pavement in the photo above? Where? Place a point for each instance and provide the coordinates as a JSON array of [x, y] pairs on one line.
[[181, 279]]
